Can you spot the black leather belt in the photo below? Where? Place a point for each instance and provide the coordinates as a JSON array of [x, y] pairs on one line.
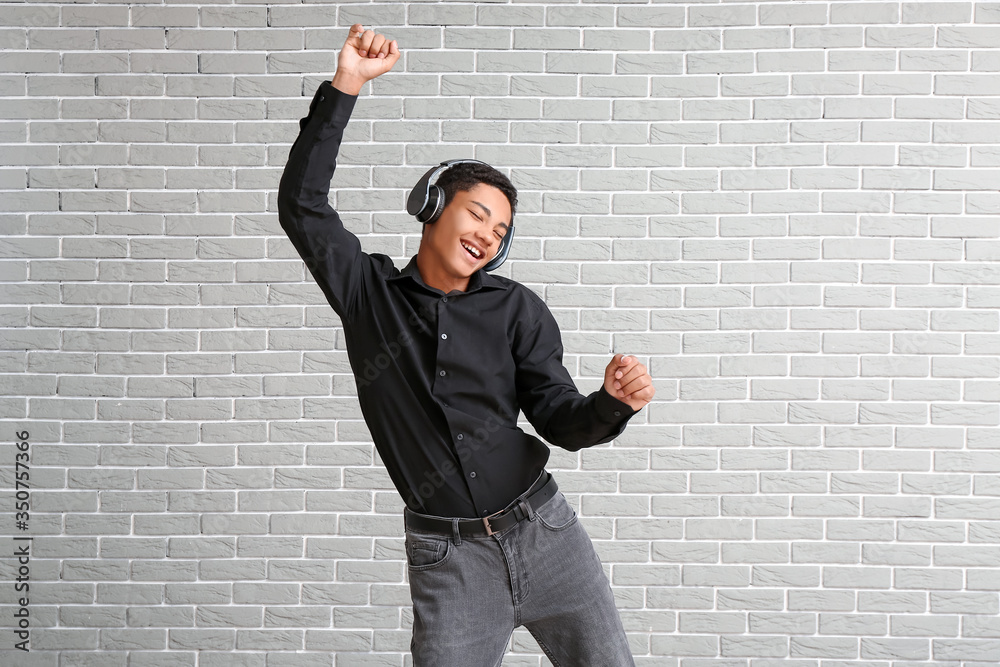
[[488, 525]]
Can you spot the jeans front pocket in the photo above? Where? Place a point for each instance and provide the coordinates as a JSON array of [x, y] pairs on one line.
[[424, 552], [557, 513]]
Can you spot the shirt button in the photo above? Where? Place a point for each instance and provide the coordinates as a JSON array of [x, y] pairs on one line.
[[441, 373], [444, 336], [444, 299], [460, 436], [618, 413], [472, 474], [322, 97]]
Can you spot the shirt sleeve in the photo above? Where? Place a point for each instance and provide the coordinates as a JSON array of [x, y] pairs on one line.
[[332, 253], [548, 396]]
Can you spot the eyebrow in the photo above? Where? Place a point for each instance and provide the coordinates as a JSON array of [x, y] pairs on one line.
[[489, 213]]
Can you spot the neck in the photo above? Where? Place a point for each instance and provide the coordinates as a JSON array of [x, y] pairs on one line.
[[433, 276]]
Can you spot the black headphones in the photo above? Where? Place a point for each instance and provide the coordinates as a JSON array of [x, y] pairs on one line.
[[426, 202]]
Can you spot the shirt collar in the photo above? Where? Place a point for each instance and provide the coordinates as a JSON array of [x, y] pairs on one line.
[[477, 281]]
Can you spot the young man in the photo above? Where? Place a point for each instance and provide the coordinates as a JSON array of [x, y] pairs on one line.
[[445, 355]]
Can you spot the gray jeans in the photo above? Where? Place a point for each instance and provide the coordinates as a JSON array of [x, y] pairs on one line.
[[469, 593]]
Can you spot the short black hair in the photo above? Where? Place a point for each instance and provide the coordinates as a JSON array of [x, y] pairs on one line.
[[464, 176]]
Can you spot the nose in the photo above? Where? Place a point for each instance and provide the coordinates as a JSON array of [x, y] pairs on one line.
[[486, 237]]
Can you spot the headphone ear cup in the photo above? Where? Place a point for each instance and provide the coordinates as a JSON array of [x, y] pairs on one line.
[[434, 206], [502, 251]]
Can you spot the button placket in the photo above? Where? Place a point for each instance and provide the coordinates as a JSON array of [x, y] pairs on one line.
[[441, 323]]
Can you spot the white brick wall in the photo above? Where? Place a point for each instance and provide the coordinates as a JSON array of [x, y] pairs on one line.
[[788, 209]]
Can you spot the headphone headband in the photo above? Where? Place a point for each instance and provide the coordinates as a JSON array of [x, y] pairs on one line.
[[426, 203], [418, 202]]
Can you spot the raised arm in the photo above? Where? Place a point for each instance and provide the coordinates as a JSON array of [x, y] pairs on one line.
[[332, 254]]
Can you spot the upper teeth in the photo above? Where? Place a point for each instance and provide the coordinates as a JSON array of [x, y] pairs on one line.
[[471, 249]]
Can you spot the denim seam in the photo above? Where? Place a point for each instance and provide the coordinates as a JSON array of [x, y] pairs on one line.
[[513, 588], [504, 653], [545, 648], [525, 581]]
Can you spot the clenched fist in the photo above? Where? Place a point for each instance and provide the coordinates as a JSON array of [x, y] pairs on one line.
[[365, 55], [629, 381]]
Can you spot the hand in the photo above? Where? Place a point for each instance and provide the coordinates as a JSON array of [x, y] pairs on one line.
[[628, 381], [364, 56]]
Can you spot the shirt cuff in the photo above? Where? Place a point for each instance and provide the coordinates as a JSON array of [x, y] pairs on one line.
[[329, 103], [610, 409]]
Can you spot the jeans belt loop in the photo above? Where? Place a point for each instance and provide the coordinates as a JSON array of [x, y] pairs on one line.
[[456, 534], [526, 508]]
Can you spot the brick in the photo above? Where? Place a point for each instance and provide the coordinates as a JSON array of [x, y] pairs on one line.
[[845, 464]]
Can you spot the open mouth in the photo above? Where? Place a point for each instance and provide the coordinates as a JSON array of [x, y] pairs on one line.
[[473, 251]]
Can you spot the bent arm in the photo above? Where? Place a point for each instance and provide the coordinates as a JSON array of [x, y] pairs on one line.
[[548, 396]]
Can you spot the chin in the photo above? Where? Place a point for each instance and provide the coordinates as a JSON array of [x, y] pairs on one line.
[[462, 267]]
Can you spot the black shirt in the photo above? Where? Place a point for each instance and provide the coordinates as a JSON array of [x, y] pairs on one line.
[[440, 377]]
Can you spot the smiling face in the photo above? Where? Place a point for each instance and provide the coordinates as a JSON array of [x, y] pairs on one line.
[[464, 238]]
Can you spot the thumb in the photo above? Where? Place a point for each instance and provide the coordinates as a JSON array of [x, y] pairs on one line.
[[393, 54], [622, 359], [616, 363], [354, 36]]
